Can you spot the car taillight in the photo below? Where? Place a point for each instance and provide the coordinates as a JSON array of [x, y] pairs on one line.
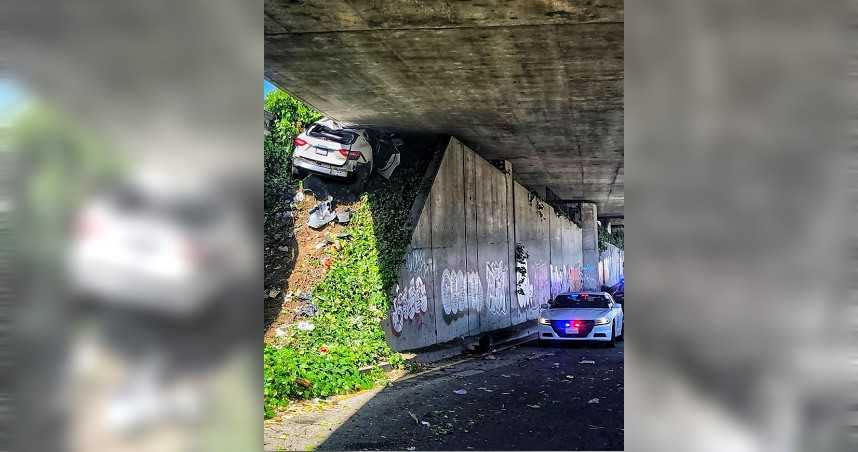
[[351, 155], [86, 226], [299, 142]]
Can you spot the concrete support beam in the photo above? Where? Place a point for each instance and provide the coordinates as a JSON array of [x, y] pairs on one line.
[[590, 246]]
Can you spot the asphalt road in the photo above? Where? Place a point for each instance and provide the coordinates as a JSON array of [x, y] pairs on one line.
[[525, 398]]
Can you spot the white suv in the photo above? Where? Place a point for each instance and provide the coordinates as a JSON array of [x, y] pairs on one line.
[[330, 149]]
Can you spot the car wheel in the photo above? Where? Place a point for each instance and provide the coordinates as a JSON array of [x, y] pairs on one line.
[[622, 335], [296, 173], [613, 340]]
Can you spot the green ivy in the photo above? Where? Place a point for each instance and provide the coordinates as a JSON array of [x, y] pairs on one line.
[[616, 238], [347, 335]]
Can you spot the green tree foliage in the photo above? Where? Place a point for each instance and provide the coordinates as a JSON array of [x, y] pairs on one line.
[[616, 238], [291, 116]]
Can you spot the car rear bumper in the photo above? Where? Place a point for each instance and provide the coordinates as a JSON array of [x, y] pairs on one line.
[[321, 168], [598, 333]]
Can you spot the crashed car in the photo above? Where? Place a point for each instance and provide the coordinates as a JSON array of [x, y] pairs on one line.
[[329, 149]]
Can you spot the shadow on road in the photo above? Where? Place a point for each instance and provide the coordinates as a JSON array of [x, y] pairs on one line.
[[525, 398]]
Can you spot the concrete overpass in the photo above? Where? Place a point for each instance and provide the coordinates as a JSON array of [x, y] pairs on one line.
[[538, 83]]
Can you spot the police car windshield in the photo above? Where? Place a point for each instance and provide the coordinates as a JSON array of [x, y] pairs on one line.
[[580, 300]]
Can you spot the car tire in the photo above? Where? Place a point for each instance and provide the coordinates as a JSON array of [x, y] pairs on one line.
[[613, 340], [296, 173], [622, 335]]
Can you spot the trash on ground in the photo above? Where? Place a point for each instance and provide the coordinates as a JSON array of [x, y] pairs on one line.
[[306, 296], [389, 166], [505, 375], [460, 391], [273, 293], [321, 215], [413, 417], [344, 216], [586, 361], [305, 326], [534, 406], [283, 248], [555, 365], [595, 400], [571, 377], [306, 309], [424, 423], [299, 196], [491, 357], [327, 261]]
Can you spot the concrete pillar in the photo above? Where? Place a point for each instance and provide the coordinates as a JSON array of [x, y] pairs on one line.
[[589, 246]]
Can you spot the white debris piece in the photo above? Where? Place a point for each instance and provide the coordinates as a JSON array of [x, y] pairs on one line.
[[595, 400], [460, 391], [305, 326], [586, 361]]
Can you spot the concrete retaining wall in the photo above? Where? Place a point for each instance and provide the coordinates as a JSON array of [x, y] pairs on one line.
[[611, 262], [460, 277]]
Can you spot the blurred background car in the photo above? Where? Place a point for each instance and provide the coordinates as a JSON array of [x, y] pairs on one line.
[[160, 246]]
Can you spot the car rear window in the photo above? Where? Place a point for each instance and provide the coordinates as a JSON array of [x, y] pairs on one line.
[[336, 135], [580, 300]]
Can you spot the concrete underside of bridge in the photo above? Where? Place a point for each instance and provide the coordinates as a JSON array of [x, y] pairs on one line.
[[536, 82]]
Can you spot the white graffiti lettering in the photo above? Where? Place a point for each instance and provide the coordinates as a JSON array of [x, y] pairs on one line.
[[497, 283], [408, 303], [453, 287], [417, 263], [475, 292]]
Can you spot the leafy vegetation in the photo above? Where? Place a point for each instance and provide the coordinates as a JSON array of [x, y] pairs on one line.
[[616, 238], [352, 299], [290, 117]]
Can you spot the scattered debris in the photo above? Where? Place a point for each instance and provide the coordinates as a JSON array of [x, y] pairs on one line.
[[280, 332], [389, 166], [344, 216], [305, 326], [321, 215], [273, 293], [534, 406], [327, 261], [505, 375], [586, 361], [299, 196], [411, 448], [413, 416], [595, 427], [424, 423], [306, 309], [594, 400], [468, 373], [571, 377], [460, 392], [491, 357], [306, 296], [320, 245], [555, 365]]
